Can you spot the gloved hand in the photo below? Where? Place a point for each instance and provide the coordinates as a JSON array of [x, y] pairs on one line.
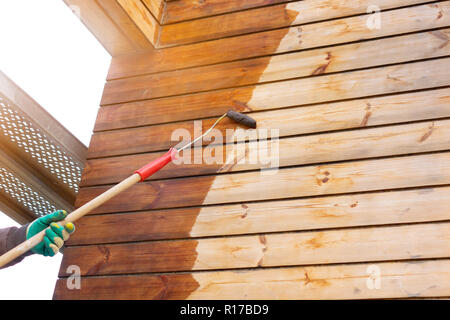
[[54, 236]]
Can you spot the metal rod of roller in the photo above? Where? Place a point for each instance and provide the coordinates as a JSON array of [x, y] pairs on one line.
[[139, 175], [233, 115]]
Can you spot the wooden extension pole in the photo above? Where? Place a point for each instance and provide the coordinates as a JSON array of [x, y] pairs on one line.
[[72, 217], [139, 175]]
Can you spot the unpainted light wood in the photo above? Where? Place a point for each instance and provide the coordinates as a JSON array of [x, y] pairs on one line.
[[266, 250], [356, 84], [326, 179], [321, 148], [366, 209], [389, 185], [428, 278], [333, 116]]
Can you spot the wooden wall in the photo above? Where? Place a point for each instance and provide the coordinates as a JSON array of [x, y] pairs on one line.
[[364, 121]]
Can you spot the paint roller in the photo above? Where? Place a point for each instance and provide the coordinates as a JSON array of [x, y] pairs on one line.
[[138, 176], [161, 162]]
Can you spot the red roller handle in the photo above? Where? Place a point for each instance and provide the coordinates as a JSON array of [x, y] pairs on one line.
[[156, 165]]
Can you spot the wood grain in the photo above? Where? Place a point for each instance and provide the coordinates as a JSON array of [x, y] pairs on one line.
[[339, 31], [362, 179], [266, 18], [156, 8], [326, 179], [379, 208], [302, 64], [218, 159], [356, 84], [337, 115], [142, 18], [267, 250], [111, 25], [181, 10], [428, 278]]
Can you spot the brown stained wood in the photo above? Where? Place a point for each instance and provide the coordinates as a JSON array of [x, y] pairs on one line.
[[177, 287], [356, 84], [144, 20], [266, 18], [111, 25], [173, 209], [302, 64], [206, 183], [217, 27], [181, 10], [402, 107], [269, 250], [357, 176], [356, 144], [421, 205], [428, 278], [417, 18], [156, 8]]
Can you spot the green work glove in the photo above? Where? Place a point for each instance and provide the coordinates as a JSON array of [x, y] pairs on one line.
[[54, 236]]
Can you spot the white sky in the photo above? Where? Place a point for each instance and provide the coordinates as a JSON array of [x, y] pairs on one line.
[[49, 53]]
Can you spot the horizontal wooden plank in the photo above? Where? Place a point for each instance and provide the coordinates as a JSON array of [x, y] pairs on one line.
[[111, 25], [267, 18], [355, 144], [351, 114], [144, 20], [266, 250], [182, 10], [302, 64], [420, 205], [352, 281], [327, 179], [391, 109], [355, 84], [156, 8], [339, 31]]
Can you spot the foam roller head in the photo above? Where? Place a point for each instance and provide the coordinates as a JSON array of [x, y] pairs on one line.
[[242, 119]]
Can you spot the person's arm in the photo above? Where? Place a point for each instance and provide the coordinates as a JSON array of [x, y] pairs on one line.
[[10, 238], [54, 238]]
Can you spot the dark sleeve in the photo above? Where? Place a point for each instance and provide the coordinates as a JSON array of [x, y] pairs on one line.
[[11, 237]]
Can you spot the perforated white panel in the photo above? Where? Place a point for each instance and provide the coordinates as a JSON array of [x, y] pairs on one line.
[[20, 192], [21, 131]]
